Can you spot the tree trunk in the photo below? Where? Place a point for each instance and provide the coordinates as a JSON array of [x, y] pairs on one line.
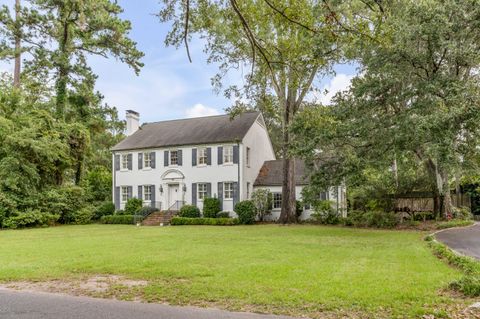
[[18, 48], [447, 198], [63, 65], [288, 213]]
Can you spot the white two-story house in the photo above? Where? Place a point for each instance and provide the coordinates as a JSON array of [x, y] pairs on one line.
[[171, 163]]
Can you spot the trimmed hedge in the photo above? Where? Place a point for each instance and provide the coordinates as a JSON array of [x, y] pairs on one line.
[[246, 212], [223, 215], [211, 207], [189, 211], [178, 221], [118, 219]]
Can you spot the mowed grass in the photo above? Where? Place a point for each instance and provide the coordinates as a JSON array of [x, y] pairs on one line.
[[296, 270]]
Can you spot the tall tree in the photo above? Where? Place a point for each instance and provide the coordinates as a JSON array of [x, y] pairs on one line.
[[417, 95], [79, 28], [285, 45], [18, 45]]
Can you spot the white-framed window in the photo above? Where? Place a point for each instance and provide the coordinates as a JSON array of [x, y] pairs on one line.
[[147, 160], [125, 194], [248, 156], [173, 157], [124, 161], [202, 156], [277, 200], [147, 193], [201, 191], [228, 154], [324, 196], [228, 190]]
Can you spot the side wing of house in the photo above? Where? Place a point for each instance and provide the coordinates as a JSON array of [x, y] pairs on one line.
[[256, 148]]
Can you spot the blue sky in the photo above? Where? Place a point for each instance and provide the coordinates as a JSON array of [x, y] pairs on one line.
[[169, 86]]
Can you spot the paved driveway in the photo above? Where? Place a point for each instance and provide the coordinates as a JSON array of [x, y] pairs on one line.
[[32, 305], [463, 240]]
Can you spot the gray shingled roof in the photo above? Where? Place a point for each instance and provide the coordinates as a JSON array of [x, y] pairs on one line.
[[201, 130], [271, 173]]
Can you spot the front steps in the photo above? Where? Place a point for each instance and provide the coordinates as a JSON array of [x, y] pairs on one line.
[[157, 218]]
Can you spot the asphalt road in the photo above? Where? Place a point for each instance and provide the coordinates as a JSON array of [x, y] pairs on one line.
[[33, 305], [463, 240]]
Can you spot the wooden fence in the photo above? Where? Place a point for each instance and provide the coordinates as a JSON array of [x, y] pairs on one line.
[[425, 204]]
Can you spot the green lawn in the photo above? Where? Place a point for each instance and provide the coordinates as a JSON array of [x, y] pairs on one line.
[[292, 270]]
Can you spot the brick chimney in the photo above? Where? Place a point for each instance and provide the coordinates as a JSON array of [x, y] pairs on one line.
[[133, 122]]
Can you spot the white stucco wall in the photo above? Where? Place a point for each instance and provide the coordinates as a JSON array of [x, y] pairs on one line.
[[334, 194], [261, 150], [191, 174]]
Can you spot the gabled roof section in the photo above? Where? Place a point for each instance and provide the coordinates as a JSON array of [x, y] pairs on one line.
[[271, 173], [194, 131]]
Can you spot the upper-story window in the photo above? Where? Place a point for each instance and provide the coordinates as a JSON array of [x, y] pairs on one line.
[[202, 190], [228, 155], [248, 157], [147, 160], [125, 161], [202, 156], [277, 200], [173, 157], [228, 190], [147, 192]]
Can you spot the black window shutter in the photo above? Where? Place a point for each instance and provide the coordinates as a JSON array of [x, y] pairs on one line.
[[236, 194], [194, 157], [235, 154], [152, 159], [140, 160], [220, 155], [209, 156], [220, 194], [152, 192], [140, 193], [130, 191], [165, 158], [130, 160], [117, 198], [209, 190], [194, 194], [117, 162], [180, 158]]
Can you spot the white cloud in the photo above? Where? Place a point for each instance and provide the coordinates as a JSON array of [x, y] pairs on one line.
[[199, 110], [339, 83]]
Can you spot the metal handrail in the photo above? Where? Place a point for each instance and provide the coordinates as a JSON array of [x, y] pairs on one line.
[[140, 218], [177, 205]]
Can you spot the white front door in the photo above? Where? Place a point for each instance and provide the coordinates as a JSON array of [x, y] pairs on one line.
[[173, 194]]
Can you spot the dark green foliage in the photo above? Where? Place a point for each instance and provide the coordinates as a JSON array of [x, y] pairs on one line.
[[120, 212], [83, 216], [454, 223], [106, 208], [133, 206], [65, 202], [189, 211], [298, 208], [211, 207], [377, 219], [246, 212], [324, 213], [118, 219], [223, 215], [177, 221], [147, 210], [30, 219], [98, 184], [462, 213]]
